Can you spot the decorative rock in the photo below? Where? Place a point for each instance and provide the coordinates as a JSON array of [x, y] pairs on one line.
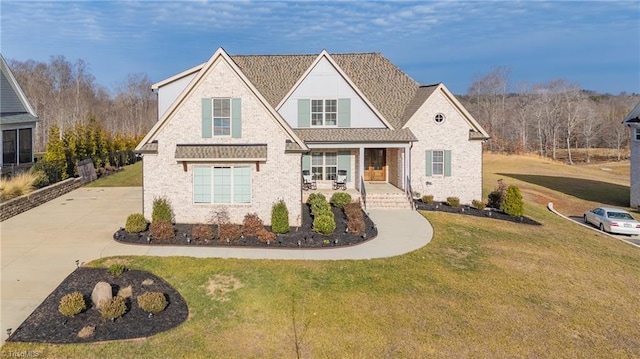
[[102, 292]]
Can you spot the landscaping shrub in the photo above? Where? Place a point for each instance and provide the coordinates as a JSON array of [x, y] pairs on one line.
[[117, 269], [229, 231], [513, 204], [161, 211], [136, 223], [252, 225], [152, 302], [202, 232], [114, 308], [52, 171], [280, 217], [496, 197], [319, 207], [324, 224], [72, 304], [264, 236], [17, 186], [477, 204], [41, 179], [355, 218], [340, 199], [427, 198], [313, 197], [161, 230], [453, 201]]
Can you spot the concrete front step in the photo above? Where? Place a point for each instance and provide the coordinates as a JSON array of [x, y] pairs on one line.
[[388, 201]]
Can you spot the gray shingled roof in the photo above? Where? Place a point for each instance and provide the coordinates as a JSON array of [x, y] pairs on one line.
[[354, 135], [212, 152], [149, 148], [292, 147], [6, 119], [420, 96], [388, 88]]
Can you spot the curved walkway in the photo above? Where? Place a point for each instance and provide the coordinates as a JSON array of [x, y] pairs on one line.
[[40, 247]]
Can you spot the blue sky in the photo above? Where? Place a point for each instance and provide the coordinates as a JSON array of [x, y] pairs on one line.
[[594, 44]]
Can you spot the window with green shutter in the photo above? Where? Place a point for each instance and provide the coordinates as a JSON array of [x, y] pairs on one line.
[[438, 163], [221, 117]]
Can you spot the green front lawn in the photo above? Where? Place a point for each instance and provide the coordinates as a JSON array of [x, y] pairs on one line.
[[482, 288], [130, 176]]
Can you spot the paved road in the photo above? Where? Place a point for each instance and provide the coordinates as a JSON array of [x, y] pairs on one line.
[[40, 247]]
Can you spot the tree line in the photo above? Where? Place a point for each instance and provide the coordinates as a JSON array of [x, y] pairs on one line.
[[66, 95], [548, 116]]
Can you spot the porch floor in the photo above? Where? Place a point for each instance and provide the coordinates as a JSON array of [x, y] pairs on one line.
[[374, 187], [370, 187]]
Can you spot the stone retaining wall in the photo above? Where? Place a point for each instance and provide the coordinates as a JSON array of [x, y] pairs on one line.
[[24, 203]]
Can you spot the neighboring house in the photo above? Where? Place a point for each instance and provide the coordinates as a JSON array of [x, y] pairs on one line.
[[633, 121], [17, 122], [236, 132]]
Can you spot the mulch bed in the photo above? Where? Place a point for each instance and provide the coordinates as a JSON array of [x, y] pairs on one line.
[[298, 237], [470, 211], [47, 325]]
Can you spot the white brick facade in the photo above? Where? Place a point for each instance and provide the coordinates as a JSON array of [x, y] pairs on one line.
[[277, 178], [635, 169], [465, 181]]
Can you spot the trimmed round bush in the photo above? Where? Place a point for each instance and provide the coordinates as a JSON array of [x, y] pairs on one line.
[[161, 211], [72, 304], [313, 197], [280, 217], [477, 204], [427, 198], [324, 224], [136, 223], [453, 201], [513, 204], [114, 308], [340, 199], [152, 302], [318, 207], [161, 230]]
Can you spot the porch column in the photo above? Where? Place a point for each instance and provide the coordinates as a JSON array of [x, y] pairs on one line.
[[407, 165], [360, 167]]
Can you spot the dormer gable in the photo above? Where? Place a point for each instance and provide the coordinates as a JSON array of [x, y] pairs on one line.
[[325, 97]]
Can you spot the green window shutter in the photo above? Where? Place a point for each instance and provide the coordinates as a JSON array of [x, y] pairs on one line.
[[306, 162], [344, 112], [447, 163], [344, 162], [428, 164], [206, 118], [242, 185], [202, 184], [236, 118], [304, 113]]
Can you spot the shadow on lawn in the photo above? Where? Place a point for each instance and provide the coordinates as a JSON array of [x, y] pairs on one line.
[[588, 190]]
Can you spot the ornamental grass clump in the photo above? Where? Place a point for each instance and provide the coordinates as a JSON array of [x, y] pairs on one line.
[[202, 232], [513, 204], [72, 304], [152, 302], [355, 218], [114, 308], [340, 199], [117, 269], [136, 223], [17, 186], [280, 217], [252, 225], [162, 211]]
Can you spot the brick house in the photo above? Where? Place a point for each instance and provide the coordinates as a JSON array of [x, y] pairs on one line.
[[236, 132], [633, 121]]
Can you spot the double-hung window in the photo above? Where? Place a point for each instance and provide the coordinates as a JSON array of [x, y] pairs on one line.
[[222, 117], [222, 184], [438, 163], [324, 165], [324, 112], [637, 137]]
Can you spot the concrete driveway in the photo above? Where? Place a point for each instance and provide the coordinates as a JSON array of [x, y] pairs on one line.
[[40, 247]]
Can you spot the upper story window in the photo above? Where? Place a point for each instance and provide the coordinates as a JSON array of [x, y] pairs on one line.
[[222, 117], [637, 137], [324, 112], [439, 118]]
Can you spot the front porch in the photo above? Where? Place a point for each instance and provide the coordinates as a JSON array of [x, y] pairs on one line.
[[376, 195]]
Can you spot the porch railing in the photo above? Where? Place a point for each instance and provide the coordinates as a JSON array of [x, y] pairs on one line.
[[409, 193], [363, 193]]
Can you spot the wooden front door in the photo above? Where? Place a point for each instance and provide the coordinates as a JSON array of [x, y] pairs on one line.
[[375, 164]]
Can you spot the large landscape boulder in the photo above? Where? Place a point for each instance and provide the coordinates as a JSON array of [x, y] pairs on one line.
[[101, 293]]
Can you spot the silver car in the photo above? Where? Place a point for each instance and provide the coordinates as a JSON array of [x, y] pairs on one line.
[[613, 220]]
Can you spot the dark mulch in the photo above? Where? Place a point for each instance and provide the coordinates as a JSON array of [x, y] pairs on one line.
[[470, 211], [47, 325], [298, 237]]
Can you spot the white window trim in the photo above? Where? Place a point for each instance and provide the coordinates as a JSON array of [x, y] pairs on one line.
[[211, 167], [435, 117], [213, 117], [433, 163], [324, 119], [324, 164]]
